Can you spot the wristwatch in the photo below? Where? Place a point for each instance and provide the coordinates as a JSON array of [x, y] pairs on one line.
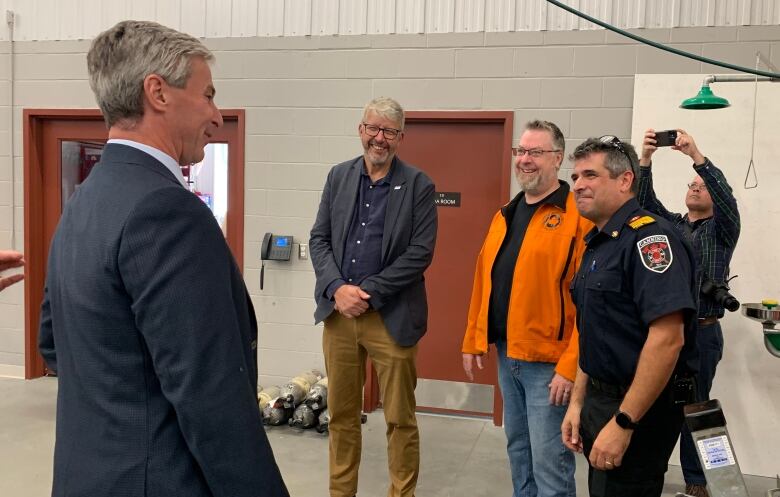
[[624, 421]]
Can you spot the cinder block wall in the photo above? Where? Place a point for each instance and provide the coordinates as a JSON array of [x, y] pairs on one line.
[[304, 96], [12, 299]]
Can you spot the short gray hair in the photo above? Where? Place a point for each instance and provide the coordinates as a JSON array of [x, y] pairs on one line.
[[387, 108], [557, 136], [620, 156], [120, 58]]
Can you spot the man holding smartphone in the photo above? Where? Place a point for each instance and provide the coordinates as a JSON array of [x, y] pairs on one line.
[[712, 227]]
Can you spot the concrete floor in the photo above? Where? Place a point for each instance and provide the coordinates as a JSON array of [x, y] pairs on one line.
[[460, 457]]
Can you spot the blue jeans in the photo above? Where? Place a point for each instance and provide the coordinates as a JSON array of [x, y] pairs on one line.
[[541, 465], [709, 341]]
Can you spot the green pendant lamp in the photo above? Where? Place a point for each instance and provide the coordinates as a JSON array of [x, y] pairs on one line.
[[704, 100]]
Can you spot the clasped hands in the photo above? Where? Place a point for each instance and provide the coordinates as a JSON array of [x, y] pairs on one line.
[[351, 301]]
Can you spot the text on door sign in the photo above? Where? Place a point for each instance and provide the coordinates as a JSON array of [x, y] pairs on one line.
[[447, 199]]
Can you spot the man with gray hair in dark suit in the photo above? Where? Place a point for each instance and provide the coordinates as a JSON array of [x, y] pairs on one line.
[[146, 318], [370, 245]]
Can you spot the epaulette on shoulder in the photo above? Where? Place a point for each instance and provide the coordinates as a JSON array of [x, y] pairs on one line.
[[637, 222]]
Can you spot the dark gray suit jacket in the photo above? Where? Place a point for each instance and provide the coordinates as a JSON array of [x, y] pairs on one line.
[[408, 240], [149, 326]]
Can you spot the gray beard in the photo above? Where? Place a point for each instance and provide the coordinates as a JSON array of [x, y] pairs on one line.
[[530, 185]]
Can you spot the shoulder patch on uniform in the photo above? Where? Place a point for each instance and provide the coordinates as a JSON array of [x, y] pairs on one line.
[[655, 252], [637, 222]]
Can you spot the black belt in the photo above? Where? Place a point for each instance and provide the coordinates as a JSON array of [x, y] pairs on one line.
[[708, 320], [608, 388]]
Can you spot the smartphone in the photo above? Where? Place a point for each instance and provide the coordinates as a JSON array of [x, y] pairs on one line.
[[665, 138]]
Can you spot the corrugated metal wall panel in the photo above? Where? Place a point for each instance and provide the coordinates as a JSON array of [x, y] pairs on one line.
[[353, 17], [270, 18], [47, 17], [297, 17], [83, 19], [527, 16], [218, 18], [381, 17], [590, 7], [439, 16], [769, 13], [469, 16], [560, 20], [69, 20], [142, 10], [410, 16], [193, 17], [324, 17], [112, 14], [169, 13], [500, 15], [243, 20]]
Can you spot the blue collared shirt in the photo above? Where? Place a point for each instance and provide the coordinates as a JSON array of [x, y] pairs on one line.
[[169, 162], [363, 249]]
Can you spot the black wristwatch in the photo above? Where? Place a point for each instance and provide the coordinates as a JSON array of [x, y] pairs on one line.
[[624, 421]]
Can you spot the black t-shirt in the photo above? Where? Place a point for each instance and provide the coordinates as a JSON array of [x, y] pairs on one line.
[[518, 217]]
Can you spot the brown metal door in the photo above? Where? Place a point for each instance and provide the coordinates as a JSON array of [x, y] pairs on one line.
[[467, 154], [44, 133]]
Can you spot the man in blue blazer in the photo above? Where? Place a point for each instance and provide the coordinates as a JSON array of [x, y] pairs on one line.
[[370, 245], [146, 319]]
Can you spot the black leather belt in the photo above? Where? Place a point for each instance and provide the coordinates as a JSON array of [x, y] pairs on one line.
[[708, 320], [608, 388]]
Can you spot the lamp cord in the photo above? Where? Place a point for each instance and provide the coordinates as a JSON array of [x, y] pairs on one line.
[[661, 46], [752, 164]]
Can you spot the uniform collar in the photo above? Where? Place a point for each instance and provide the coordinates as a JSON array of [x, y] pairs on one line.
[[617, 222]]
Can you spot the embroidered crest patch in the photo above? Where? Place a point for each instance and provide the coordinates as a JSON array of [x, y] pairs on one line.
[[656, 253], [552, 221]]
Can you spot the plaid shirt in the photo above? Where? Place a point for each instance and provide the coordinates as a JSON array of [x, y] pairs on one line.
[[713, 239]]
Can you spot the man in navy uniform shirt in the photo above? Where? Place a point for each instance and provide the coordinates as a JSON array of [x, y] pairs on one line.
[[635, 313]]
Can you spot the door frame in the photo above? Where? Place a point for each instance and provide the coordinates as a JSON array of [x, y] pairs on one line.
[[371, 393], [35, 184]]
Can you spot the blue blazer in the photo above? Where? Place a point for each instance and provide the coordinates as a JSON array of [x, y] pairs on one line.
[[408, 241], [148, 323]]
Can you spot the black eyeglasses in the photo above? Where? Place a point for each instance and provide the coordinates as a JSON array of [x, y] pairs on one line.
[[389, 133], [615, 142], [534, 152]]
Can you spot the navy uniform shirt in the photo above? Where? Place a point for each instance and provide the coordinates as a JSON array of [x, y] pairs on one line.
[[634, 271]]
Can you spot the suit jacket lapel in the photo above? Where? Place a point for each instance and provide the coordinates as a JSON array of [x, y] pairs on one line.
[[394, 202], [351, 185]]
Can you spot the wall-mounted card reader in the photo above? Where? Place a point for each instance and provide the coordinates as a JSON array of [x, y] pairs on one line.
[[274, 248]]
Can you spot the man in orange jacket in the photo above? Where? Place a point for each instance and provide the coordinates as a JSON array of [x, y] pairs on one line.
[[521, 302]]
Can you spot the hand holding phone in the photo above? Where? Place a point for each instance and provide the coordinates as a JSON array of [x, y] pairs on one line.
[[665, 138]]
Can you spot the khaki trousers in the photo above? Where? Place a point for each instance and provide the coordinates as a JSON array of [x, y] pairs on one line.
[[346, 343]]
